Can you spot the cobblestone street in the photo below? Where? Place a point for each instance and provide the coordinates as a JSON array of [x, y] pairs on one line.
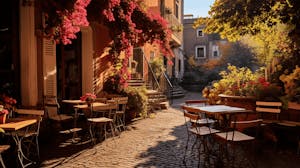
[[158, 141]]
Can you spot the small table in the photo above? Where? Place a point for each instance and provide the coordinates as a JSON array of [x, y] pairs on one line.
[[221, 110], [74, 103], [12, 128]]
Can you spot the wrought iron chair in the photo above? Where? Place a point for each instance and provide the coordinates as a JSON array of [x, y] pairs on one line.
[[269, 112], [202, 102], [52, 109], [2, 149], [120, 113], [104, 121], [30, 136], [237, 133], [201, 129]]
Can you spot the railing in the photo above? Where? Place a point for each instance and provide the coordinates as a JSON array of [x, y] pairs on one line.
[[151, 78], [168, 86], [173, 21], [163, 85]]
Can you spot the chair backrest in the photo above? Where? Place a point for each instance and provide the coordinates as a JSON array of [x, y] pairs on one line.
[[109, 108], [202, 102], [242, 121], [51, 106], [32, 113], [273, 108], [122, 102], [190, 109]]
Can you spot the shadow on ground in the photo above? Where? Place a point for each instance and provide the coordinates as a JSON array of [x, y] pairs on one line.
[[170, 153]]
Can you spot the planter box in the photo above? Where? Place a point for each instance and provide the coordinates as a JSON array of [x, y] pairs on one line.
[[247, 102], [292, 113]]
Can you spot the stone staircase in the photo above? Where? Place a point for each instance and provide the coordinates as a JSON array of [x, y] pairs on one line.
[[156, 100], [136, 82], [177, 92]]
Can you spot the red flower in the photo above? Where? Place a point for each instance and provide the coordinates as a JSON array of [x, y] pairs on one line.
[[88, 96]]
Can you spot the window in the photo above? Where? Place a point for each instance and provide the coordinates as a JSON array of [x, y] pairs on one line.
[[215, 51], [200, 33], [152, 55], [200, 52]]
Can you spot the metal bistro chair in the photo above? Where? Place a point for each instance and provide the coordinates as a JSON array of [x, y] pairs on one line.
[[120, 113], [109, 111], [30, 136], [269, 112], [201, 128], [238, 133], [52, 109], [202, 102], [2, 149]]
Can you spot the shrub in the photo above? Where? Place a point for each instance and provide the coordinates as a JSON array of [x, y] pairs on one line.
[[291, 83], [241, 82], [137, 100]]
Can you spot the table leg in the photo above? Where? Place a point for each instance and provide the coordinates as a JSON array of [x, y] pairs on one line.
[[21, 155], [75, 136]]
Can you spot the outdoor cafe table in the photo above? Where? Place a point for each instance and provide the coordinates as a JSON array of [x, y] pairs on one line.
[[12, 128], [79, 105], [219, 110], [74, 103]]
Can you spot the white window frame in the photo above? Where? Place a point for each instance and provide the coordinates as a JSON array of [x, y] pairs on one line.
[[200, 29], [196, 53], [215, 48]]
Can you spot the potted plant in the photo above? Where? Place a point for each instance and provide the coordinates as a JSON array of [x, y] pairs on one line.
[[292, 85], [88, 97], [3, 114], [241, 87], [8, 103], [137, 102]]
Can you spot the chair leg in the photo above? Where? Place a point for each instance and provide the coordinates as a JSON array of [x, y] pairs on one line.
[[124, 124], [1, 160], [112, 128], [105, 131], [186, 148], [37, 147], [298, 150], [93, 140]]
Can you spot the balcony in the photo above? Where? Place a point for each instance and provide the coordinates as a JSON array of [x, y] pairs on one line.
[[176, 27]]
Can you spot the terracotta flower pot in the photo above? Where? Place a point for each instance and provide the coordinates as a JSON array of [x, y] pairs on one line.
[[3, 118]]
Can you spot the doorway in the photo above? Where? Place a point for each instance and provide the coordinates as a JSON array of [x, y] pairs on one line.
[[9, 49], [69, 78]]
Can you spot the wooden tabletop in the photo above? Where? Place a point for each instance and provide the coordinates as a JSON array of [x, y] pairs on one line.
[[219, 109], [85, 106], [74, 101], [14, 125]]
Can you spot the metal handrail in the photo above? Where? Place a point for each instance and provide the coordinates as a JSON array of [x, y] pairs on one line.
[[152, 72], [168, 81], [170, 87]]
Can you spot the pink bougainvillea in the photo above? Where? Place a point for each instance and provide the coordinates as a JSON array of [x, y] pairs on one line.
[[130, 26], [73, 20]]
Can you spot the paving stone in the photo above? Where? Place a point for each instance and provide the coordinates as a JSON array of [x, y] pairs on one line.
[[157, 142]]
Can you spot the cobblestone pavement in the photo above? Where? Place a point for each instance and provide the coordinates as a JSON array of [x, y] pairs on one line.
[[158, 141]]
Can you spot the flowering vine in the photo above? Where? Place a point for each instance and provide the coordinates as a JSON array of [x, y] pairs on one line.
[[130, 26]]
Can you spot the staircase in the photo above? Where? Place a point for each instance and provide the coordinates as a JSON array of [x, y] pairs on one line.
[[136, 82], [156, 100], [177, 92]]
